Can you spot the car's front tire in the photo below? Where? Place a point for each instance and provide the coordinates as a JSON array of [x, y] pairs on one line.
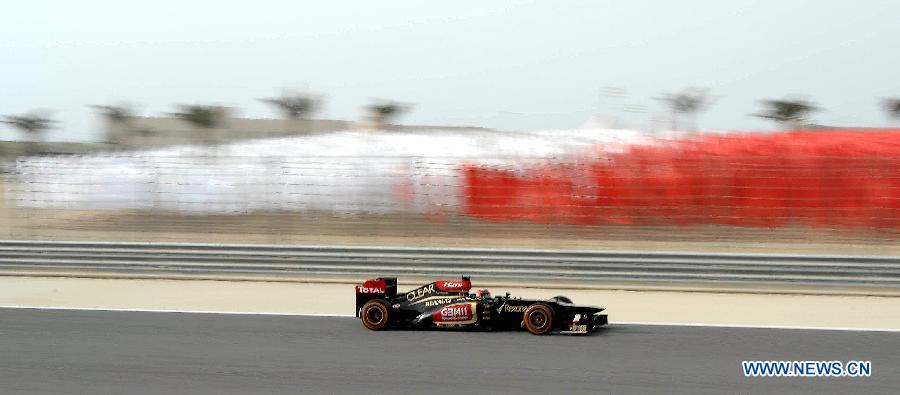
[[538, 319], [375, 315]]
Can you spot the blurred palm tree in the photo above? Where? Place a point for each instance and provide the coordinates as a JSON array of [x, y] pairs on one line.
[[892, 108], [33, 125], [384, 112], [790, 113], [205, 117], [294, 106], [690, 102], [121, 113], [202, 116], [118, 116]]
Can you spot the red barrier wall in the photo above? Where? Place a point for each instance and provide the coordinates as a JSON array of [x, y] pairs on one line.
[[833, 178]]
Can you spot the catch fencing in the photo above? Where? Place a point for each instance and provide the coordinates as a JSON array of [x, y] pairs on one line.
[[820, 190], [834, 178], [825, 178]]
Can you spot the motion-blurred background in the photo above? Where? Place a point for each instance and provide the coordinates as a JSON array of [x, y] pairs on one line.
[[749, 127]]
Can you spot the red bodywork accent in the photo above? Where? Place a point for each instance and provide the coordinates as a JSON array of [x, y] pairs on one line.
[[453, 285], [372, 287], [454, 312]]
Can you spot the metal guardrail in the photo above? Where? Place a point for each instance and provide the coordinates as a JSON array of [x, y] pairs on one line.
[[561, 266]]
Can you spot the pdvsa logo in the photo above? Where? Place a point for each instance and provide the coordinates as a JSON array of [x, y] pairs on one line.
[[369, 290], [457, 312]]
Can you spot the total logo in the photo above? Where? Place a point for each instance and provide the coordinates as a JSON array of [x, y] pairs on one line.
[[369, 290], [457, 312]]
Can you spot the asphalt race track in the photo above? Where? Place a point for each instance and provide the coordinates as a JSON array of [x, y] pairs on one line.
[[99, 352]]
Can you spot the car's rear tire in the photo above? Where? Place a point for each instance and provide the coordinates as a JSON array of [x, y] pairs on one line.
[[538, 319], [375, 315]]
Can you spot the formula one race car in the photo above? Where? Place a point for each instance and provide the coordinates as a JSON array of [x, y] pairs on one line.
[[448, 304]]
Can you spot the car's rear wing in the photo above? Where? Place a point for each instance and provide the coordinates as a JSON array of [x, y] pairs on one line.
[[379, 288]]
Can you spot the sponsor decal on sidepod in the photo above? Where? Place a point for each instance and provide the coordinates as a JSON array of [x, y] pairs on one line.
[[453, 285], [455, 312], [420, 292], [511, 309], [437, 302]]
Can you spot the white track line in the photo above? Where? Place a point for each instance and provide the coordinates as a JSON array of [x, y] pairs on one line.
[[171, 311], [742, 326], [688, 324]]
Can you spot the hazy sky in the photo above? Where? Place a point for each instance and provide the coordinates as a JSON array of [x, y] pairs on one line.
[[509, 65]]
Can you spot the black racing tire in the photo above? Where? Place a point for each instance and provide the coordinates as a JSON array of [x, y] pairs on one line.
[[375, 315], [538, 319]]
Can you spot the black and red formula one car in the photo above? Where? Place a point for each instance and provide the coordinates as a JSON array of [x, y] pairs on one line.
[[449, 304]]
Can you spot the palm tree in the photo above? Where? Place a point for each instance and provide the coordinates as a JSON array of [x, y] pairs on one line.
[[205, 117], [121, 113], [118, 116], [790, 112], [690, 101], [294, 106], [384, 112], [32, 124], [892, 108]]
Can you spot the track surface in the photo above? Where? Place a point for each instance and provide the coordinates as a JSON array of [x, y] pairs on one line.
[[98, 352]]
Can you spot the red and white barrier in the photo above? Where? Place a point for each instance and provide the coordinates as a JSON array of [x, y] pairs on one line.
[[821, 178]]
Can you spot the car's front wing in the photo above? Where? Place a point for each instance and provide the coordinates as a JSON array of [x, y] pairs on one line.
[[587, 324]]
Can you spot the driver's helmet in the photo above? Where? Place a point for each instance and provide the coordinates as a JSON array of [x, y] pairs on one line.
[[483, 294]]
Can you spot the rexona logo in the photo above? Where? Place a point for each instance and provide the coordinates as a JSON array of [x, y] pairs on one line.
[[456, 312], [505, 308]]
